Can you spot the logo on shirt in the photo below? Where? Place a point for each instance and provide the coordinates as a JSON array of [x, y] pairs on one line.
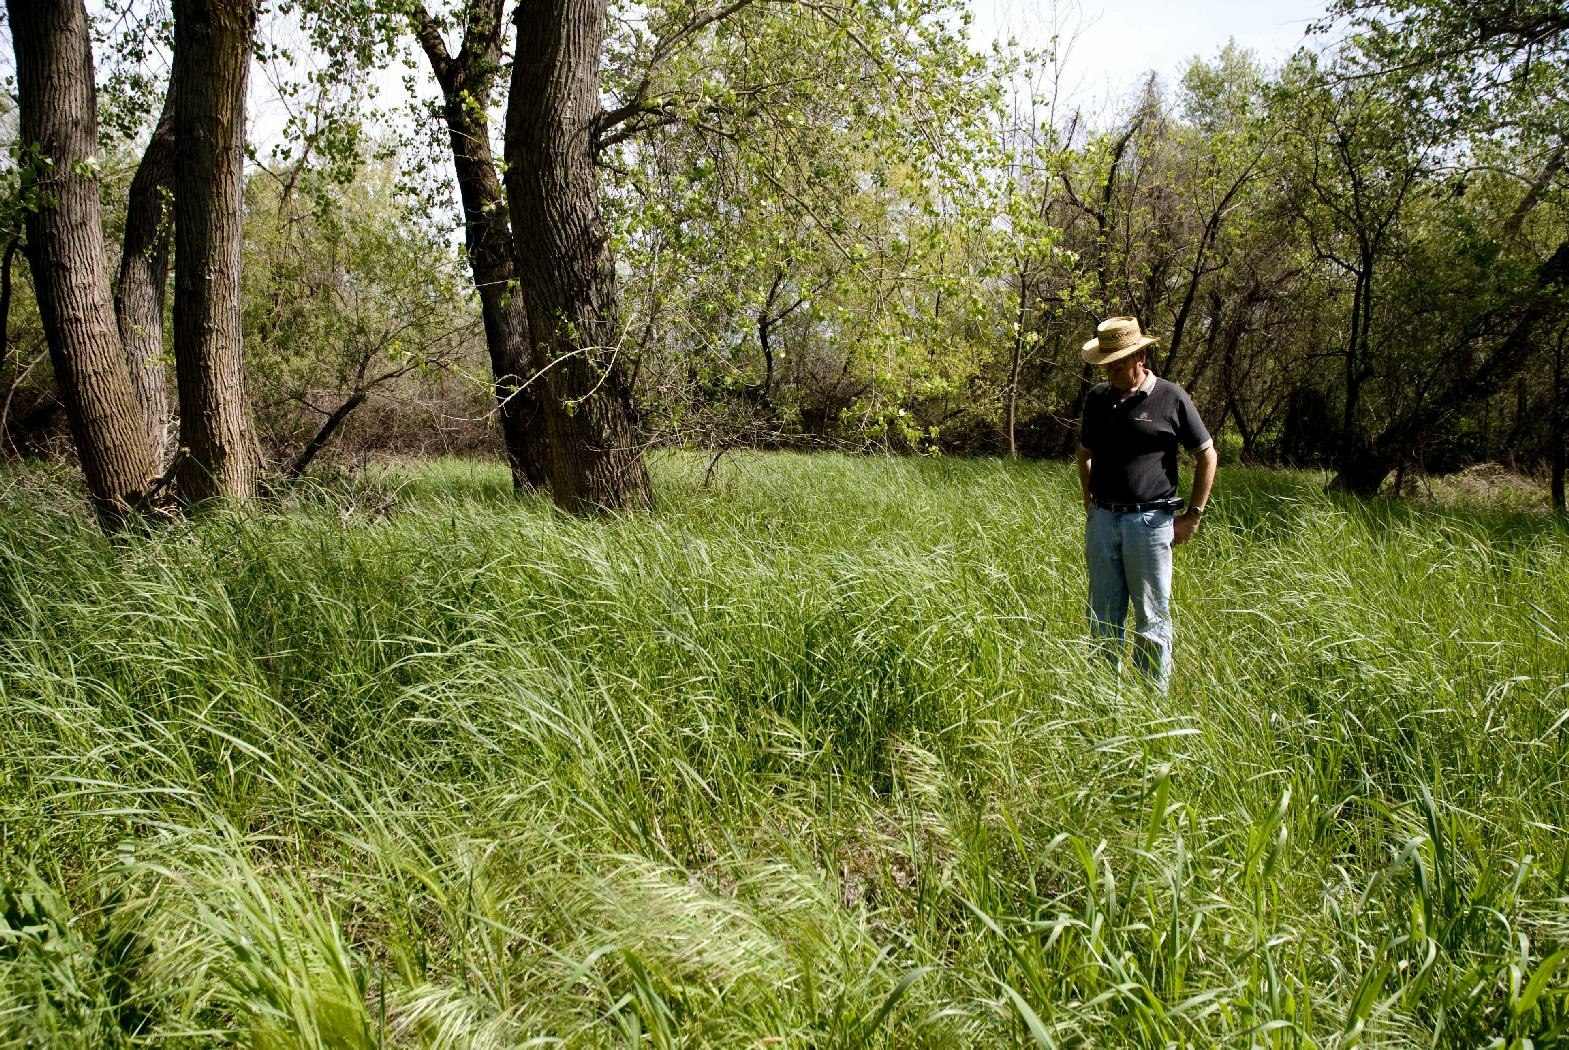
[[1143, 417]]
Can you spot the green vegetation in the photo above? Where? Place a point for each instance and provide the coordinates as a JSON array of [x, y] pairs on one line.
[[814, 757]]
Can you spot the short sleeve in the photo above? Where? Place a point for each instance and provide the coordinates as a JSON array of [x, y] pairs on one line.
[[1190, 428]]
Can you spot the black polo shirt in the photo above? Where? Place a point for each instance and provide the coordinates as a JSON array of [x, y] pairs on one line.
[[1133, 441]]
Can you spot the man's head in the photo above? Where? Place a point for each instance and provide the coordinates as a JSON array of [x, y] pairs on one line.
[[1125, 373], [1117, 339]]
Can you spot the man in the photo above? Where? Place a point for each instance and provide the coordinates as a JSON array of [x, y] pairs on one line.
[[1128, 439]]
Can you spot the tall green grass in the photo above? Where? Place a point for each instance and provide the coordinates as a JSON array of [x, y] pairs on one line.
[[813, 757]]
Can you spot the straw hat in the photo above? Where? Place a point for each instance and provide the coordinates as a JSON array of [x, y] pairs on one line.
[[1115, 338]]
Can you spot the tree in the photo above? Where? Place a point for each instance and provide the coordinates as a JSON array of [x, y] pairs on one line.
[[900, 55], [144, 278], [59, 128], [567, 272], [212, 53], [1558, 430], [347, 296], [1354, 164], [794, 272], [467, 80], [1493, 77]]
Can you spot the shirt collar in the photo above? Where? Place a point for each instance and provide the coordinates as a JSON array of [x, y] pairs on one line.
[[1148, 384]]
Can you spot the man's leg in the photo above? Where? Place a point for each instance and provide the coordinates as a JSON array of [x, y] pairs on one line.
[[1108, 602], [1146, 555]]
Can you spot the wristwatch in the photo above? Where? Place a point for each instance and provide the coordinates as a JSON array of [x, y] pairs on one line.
[[1197, 511]]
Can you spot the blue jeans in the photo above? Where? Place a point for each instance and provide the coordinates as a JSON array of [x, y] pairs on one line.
[[1129, 558]]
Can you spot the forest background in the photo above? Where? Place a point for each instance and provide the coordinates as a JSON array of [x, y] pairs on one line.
[[782, 226]]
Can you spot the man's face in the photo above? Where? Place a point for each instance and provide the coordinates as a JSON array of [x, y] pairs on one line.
[[1125, 374]]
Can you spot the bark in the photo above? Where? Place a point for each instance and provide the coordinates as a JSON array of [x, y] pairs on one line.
[[144, 277], [12, 243], [565, 264], [212, 50], [466, 85], [1559, 431], [1015, 364], [65, 249], [1353, 448]]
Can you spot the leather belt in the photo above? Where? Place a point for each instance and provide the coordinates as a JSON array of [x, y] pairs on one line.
[[1139, 508]]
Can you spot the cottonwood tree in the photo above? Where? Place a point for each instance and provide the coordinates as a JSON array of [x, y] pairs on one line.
[[556, 131], [355, 41], [1493, 76], [140, 293], [57, 99], [565, 266], [1223, 144], [212, 56], [1355, 161], [467, 78]]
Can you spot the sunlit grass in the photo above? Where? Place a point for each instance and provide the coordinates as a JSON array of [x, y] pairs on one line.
[[811, 757]]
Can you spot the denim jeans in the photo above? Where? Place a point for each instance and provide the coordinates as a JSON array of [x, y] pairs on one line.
[[1129, 557]]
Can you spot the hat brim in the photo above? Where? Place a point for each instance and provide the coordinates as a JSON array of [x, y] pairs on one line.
[[1093, 354]]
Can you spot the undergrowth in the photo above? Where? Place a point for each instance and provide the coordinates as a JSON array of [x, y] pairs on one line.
[[812, 757]]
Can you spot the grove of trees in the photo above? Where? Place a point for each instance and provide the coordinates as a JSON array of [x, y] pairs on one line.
[[765, 224]]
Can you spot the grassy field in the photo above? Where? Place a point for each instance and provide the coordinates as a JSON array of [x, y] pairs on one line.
[[815, 757]]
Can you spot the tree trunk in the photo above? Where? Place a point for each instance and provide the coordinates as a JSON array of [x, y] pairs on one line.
[[1363, 473], [212, 52], [308, 454], [65, 248], [144, 277], [466, 83], [568, 274], [11, 244], [489, 238], [1015, 363], [1559, 418], [1351, 448]]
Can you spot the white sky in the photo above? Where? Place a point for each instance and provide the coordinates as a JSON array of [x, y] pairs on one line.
[[1111, 44], [1114, 42]]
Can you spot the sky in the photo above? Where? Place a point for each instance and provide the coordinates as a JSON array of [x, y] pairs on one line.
[[1114, 42], [1111, 44]]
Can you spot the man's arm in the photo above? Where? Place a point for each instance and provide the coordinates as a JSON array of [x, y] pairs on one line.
[[1203, 480], [1084, 477]]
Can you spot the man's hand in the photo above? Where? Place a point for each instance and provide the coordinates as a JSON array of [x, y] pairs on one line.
[[1183, 527]]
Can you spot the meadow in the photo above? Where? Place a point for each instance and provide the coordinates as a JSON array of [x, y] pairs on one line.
[[814, 756]]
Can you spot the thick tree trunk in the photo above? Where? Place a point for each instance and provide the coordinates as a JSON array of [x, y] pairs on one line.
[[144, 276], [1363, 472], [65, 248], [466, 81], [565, 265], [212, 53], [489, 238]]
